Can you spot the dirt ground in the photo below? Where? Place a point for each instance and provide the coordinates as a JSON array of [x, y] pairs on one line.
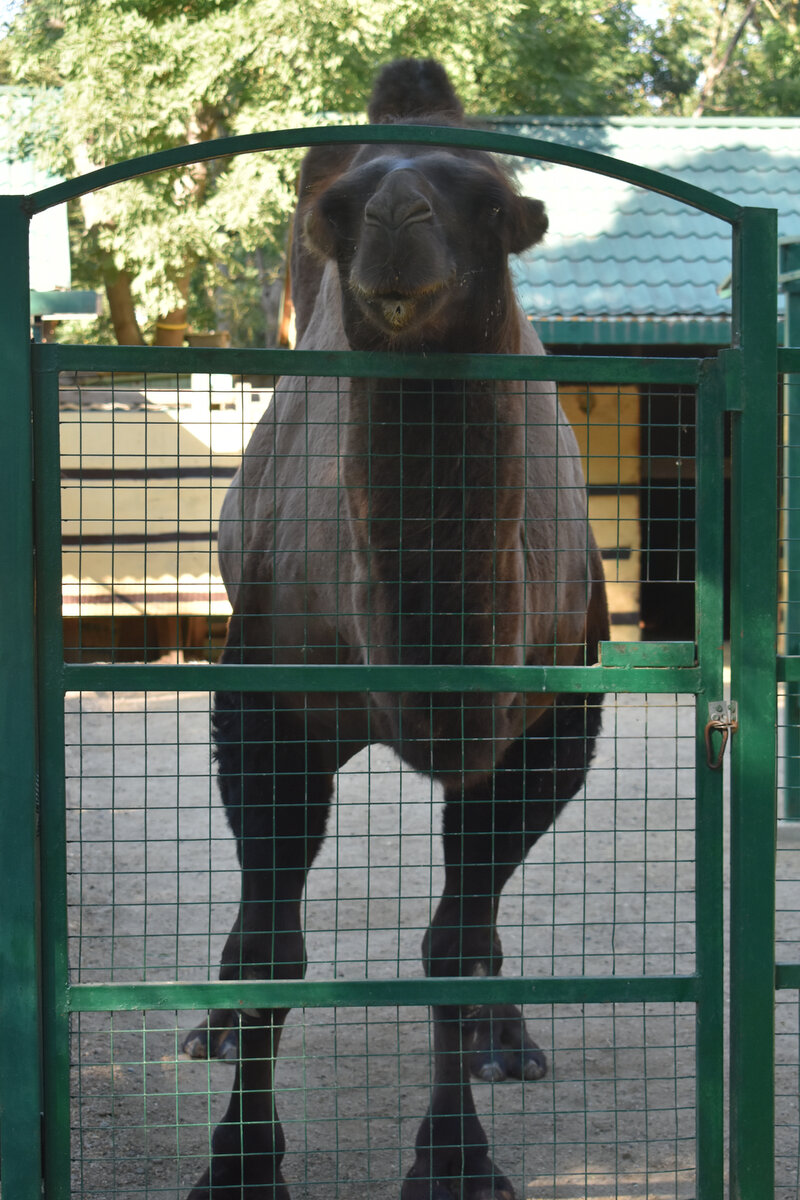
[[153, 888]]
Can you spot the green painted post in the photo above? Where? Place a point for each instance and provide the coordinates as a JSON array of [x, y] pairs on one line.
[[789, 261], [20, 1085], [754, 533], [50, 663], [709, 890]]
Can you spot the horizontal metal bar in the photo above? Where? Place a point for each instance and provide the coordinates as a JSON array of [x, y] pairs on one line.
[[787, 976], [789, 359], [647, 654], [178, 360], [430, 135], [340, 993], [200, 677], [788, 668]]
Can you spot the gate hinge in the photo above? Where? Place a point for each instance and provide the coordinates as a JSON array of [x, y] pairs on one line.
[[724, 717], [731, 364]]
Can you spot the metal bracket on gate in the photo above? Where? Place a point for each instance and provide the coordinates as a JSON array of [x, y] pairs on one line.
[[724, 717]]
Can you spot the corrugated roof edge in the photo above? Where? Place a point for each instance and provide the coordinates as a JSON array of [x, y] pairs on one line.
[[637, 331], [640, 331], [648, 122]]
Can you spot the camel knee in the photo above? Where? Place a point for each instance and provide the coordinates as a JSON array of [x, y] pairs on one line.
[[463, 948], [267, 954]]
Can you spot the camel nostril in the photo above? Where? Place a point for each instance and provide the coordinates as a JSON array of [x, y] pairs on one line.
[[394, 214], [419, 210]]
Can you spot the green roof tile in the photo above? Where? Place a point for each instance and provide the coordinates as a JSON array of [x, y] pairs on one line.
[[614, 251]]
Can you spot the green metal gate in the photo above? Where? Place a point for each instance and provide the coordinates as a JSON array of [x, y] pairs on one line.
[[787, 975], [42, 994]]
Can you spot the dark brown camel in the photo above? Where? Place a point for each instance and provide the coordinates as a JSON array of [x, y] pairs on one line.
[[401, 522]]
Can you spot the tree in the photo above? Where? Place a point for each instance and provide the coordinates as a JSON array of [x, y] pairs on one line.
[[731, 58], [128, 77]]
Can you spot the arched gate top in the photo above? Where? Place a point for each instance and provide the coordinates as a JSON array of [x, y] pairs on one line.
[[429, 135]]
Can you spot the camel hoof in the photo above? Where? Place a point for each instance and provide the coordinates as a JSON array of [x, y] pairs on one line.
[[501, 1047], [535, 1064], [455, 1179], [488, 1072], [209, 1041], [204, 1189]]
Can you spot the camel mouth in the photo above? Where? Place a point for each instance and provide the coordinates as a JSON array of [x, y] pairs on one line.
[[395, 311]]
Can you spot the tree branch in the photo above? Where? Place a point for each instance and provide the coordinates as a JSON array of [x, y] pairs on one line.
[[714, 71]]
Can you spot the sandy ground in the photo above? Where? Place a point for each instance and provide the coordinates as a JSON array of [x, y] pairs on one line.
[[153, 887]]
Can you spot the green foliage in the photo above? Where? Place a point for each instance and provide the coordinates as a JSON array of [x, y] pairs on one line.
[[136, 76], [729, 58], [764, 78], [129, 77]]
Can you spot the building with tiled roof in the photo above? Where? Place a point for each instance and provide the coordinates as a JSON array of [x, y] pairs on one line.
[[623, 270], [623, 266]]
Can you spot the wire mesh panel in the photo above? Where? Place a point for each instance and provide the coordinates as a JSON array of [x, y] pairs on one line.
[[616, 1117], [145, 464], [153, 882], [787, 1022], [155, 890]]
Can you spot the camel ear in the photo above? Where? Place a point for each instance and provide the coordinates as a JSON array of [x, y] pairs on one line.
[[327, 223], [526, 224], [317, 207], [318, 233], [322, 166]]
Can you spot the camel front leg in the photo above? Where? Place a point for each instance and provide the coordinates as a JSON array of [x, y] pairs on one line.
[[452, 1150], [276, 788], [248, 1144]]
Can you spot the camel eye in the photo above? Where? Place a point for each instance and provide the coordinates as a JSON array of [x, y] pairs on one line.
[[494, 214], [336, 209]]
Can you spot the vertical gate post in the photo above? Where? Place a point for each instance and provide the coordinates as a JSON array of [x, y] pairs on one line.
[[754, 535], [709, 888], [52, 785], [709, 803], [790, 284], [20, 1081]]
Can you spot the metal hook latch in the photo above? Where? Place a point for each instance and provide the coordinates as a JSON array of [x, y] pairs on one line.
[[725, 718]]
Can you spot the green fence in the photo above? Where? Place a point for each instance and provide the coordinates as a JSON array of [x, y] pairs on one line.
[[96, 993]]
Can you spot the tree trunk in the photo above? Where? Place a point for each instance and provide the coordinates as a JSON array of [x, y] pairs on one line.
[[123, 313], [171, 327]]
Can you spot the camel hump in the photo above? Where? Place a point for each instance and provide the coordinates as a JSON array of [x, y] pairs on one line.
[[411, 88]]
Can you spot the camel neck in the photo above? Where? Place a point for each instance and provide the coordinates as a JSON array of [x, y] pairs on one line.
[[435, 495], [425, 452]]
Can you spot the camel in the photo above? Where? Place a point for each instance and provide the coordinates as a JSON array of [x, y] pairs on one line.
[[405, 522]]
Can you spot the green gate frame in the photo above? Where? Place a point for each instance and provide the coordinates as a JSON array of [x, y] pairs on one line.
[[36, 998]]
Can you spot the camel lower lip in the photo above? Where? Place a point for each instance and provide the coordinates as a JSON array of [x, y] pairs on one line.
[[396, 311]]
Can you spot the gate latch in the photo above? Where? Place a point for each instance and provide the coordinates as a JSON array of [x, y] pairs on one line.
[[724, 717]]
